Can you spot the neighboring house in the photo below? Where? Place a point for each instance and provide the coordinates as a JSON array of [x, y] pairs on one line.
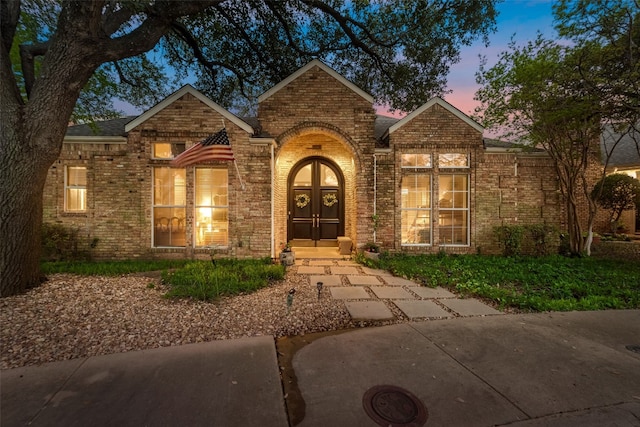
[[315, 164], [623, 152]]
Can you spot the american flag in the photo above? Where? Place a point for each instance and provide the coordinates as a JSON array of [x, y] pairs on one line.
[[214, 147]]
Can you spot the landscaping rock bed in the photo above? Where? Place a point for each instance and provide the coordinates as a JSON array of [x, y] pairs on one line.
[[70, 317]]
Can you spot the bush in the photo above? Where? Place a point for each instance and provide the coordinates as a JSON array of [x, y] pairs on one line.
[[510, 238], [532, 239], [61, 244]]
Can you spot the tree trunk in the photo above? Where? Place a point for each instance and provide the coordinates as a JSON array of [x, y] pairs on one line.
[[20, 225]]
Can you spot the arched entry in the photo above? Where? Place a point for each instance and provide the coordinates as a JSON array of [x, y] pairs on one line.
[[315, 203]]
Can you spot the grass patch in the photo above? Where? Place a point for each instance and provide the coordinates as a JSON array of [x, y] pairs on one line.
[[551, 283], [109, 268], [205, 281]]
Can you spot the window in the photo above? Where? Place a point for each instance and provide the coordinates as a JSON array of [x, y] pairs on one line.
[[453, 212], [453, 160], [212, 207], [416, 209], [169, 207], [166, 150], [75, 189], [416, 161]]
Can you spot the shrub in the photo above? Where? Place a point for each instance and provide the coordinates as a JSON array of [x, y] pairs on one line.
[[510, 238], [61, 244]]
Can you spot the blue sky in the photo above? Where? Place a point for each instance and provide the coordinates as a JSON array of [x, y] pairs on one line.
[[518, 18]]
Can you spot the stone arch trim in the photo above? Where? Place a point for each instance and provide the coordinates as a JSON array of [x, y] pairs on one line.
[[304, 128]]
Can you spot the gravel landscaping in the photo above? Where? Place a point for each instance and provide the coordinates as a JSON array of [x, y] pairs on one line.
[[71, 316]]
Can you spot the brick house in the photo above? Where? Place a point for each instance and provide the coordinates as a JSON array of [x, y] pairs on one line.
[[315, 164]]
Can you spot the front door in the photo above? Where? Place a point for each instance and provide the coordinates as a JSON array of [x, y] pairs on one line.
[[315, 203]]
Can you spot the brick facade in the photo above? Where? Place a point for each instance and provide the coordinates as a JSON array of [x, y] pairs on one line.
[[313, 114]]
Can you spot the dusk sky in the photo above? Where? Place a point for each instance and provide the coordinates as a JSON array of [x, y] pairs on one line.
[[518, 18]]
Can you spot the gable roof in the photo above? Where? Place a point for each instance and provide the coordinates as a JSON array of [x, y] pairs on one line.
[[626, 153], [323, 67], [179, 94], [113, 127], [444, 104]]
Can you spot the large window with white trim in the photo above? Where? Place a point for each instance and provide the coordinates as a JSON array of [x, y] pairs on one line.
[[416, 209], [169, 207], [212, 207], [453, 209], [75, 189]]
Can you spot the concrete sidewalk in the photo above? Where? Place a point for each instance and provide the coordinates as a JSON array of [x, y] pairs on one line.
[[221, 383], [558, 369]]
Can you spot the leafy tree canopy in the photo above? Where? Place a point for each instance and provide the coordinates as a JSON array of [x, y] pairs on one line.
[[398, 50]]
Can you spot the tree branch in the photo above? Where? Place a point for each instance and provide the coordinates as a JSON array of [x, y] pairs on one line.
[[343, 22], [28, 53], [285, 26], [9, 16], [185, 35]]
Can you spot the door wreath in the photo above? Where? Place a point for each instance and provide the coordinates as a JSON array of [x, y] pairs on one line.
[[302, 200], [329, 199]]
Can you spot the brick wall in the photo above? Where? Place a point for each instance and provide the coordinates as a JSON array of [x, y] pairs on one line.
[[315, 109], [515, 188], [315, 115]]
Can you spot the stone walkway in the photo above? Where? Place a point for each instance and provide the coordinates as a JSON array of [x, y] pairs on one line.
[[371, 294]]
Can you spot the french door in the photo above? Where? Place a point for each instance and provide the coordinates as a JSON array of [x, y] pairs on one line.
[[315, 203]]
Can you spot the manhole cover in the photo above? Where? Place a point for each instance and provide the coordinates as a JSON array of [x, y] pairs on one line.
[[633, 347], [393, 406]]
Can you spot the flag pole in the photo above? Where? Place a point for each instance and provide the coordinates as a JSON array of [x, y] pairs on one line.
[[224, 126]]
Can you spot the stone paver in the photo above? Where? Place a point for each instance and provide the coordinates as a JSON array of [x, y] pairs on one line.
[[344, 270], [368, 310], [469, 307], [375, 272], [431, 292], [398, 281], [414, 309], [347, 263], [327, 280], [305, 269], [364, 280], [316, 262], [391, 292], [349, 292]]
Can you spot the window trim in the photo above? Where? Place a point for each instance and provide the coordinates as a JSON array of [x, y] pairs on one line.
[[411, 171], [467, 166], [153, 157], [154, 206], [196, 206], [68, 187], [409, 167], [467, 210]]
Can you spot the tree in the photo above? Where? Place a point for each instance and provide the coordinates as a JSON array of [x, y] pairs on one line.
[[617, 193], [72, 52], [534, 94], [563, 97]]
